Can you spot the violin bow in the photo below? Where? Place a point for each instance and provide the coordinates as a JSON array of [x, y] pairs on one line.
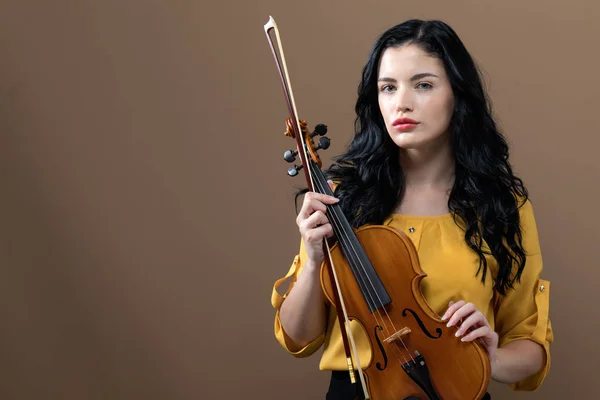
[[297, 133]]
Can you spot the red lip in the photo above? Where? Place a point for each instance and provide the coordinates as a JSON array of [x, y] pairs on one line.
[[405, 121], [404, 124]]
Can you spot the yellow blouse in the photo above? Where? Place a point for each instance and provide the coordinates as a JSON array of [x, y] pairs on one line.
[[450, 266]]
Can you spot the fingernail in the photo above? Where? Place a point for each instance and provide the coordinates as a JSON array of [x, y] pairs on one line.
[[444, 317], [457, 334]]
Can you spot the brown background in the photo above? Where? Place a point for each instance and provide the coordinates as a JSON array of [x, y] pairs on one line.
[[146, 211]]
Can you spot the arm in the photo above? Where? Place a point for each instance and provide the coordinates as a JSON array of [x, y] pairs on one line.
[[302, 313], [301, 316], [510, 363], [519, 343], [518, 360], [523, 316]]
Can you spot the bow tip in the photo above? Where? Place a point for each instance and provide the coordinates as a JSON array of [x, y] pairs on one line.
[[270, 24]]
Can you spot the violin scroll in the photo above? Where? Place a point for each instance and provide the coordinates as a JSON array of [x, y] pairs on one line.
[[324, 143]]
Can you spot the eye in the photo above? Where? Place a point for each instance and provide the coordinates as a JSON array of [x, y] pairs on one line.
[[387, 88], [424, 85]]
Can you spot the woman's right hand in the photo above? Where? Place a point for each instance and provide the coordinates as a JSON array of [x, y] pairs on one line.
[[314, 225]]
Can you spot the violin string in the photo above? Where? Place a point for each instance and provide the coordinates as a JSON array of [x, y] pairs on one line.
[[395, 349], [344, 239], [337, 222], [319, 186]]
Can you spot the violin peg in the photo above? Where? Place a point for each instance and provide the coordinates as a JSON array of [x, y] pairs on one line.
[[290, 156], [320, 130], [293, 171], [324, 143]]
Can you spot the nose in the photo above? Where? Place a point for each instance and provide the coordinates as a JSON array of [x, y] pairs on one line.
[[403, 108], [404, 101]]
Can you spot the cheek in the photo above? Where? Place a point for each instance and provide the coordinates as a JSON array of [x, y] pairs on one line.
[[448, 104], [441, 111], [386, 107], [381, 106], [449, 112]]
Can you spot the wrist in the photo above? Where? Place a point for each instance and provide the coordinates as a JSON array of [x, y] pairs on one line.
[[312, 265], [495, 363], [503, 366]]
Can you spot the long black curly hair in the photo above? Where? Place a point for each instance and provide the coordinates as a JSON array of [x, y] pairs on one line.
[[485, 196]]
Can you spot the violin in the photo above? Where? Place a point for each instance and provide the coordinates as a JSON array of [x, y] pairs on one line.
[[372, 275]]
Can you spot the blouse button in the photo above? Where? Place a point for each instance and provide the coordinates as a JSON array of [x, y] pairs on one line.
[[542, 288], [411, 229]]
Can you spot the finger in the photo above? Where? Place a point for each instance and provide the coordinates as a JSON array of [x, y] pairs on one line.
[[329, 233], [477, 333], [319, 233], [309, 207], [461, 313], [475, 320], [315, 202], [330, 183], [452, 309], [317, 219], [323, 198]]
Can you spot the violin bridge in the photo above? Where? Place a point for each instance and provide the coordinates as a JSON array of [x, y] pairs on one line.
[[402, 332]]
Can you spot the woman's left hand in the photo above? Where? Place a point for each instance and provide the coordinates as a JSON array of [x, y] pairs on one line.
[[474, 324]]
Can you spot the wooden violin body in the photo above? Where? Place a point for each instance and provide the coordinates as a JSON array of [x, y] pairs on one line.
[[447, 368], [372, 276]]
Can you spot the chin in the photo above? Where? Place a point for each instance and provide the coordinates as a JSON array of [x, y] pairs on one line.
[[417, 141], [407, 143]]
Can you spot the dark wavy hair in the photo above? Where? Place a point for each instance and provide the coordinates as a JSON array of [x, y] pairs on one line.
[[485, 194]]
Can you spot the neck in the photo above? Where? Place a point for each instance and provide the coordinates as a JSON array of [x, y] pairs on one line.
[[428, 168]]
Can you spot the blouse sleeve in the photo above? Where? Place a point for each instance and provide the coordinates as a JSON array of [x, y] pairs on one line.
[[524, 312], [277, 300]]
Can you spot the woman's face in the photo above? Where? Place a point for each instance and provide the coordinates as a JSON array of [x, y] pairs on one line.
[[415, 97]]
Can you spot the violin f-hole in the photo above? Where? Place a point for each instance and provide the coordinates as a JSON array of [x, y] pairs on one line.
[[421, 325], [383, 353]]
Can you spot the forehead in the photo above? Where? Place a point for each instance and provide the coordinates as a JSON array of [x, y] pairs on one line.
[[407, 60]]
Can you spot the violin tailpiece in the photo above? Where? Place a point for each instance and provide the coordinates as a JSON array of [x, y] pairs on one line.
[[419, 373]]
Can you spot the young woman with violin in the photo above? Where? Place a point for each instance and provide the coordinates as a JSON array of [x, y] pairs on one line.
[[427, 159]]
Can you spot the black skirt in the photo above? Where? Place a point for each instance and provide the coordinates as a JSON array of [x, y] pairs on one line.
[[340, 388]]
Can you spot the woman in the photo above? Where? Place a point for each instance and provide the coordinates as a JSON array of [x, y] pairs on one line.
[[428, 159]]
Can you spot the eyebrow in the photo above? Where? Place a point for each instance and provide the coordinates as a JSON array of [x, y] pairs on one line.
[[414, 78]]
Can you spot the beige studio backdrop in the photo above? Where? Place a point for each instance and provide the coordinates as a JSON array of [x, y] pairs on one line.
[[146, 212]]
